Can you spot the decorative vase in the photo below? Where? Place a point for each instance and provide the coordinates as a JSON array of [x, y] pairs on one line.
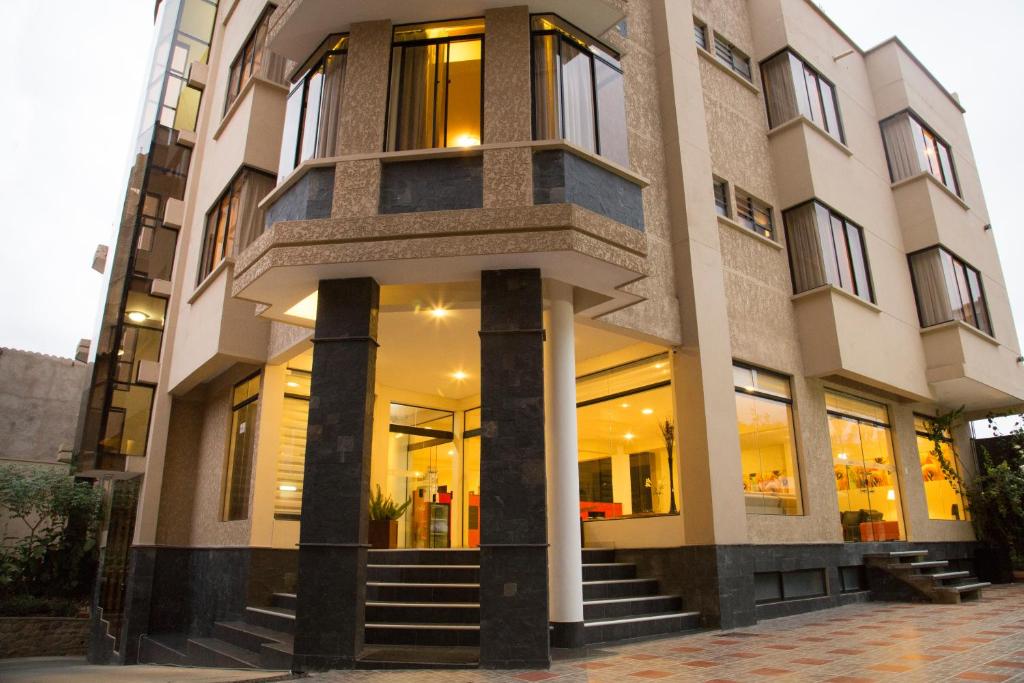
[[383, 534]]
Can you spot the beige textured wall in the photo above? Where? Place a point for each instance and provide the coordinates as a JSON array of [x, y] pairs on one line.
[[174, 523]]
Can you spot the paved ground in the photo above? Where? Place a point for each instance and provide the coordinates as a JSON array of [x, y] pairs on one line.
[[76, 670], [980, 641]]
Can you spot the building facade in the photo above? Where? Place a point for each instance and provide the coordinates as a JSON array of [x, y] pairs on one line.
[[675, 282]]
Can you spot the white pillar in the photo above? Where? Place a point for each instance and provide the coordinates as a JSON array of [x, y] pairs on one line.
[[565, 563]]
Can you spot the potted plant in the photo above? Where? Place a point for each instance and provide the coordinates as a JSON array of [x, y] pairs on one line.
[[384, 514]]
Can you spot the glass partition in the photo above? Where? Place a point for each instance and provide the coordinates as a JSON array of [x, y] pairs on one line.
[[938, 461], [471, 477]]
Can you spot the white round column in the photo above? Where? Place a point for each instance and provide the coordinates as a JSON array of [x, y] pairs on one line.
[[565, 561]]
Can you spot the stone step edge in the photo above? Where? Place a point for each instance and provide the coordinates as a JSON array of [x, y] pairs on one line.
[[633, 620]]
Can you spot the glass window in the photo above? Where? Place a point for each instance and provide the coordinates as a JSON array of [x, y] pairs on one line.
[[254, 59], [728, 54], [721, 197], [944, 498], [764, 415], [624, 465], [700, 33], [471, 477], [754, 214], [911, 147], [241, 449], [826, 248], [436, 86], [291, 458], [313, 113], [867, 484], [578, 90], [235, 219], [792, 88], [948, 288]]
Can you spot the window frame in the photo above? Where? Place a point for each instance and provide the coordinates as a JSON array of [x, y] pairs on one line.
[[938, 140], [948, 439], [225, 515], [967, 267], [767, 210], [234, 90], [203, 272], [583, 48], [734, 52], [725, 210], [821, 103], [447, 40], [833, 213], [702, 28]]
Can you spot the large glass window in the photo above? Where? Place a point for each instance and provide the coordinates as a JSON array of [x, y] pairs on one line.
[[945, 499], [867, 485], [764, 414], [241, 449], [948, 288], [471, 477], [792, 88], [578, 92], [313, 114], [624, 465], [912, 147], [291, 458], [254, 59], [436, 85], [826, 248], [235, 219]]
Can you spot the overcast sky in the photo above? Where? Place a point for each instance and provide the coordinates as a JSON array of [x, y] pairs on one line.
[[70, 106]]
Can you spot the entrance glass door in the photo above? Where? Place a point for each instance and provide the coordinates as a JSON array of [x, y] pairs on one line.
[[471, 478]]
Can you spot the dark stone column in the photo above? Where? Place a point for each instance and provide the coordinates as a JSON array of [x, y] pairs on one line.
[[332, 543], [513, 548]]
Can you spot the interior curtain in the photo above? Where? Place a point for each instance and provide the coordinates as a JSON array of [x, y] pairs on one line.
[[416, 99], [255, 187], [779, 89], [805, 249], [578, 98], [901, 147], [330, 106], [547, 110], [931, 285]]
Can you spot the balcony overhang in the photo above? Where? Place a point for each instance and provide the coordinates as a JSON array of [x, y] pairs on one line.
[[309, 21], [968, 368]]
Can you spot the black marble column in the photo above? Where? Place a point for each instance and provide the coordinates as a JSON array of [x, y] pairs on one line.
[[329, 624], [513, 547]]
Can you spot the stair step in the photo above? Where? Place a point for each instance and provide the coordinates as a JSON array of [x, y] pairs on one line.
[[214, 652], [899, 554], [927, 564], [415, 556], [604, 630], [285, 600], [608, 570], [423, 634], [385, 591], [248, 636], [273, 618], [423, 612], [276, 656], [946, 576], [611, 608], [619, 588], [424, 573], [599, 554], [418, 657], [165, 649], [964, 587]]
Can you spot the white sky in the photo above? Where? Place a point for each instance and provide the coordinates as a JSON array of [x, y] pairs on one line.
[[69, 108]]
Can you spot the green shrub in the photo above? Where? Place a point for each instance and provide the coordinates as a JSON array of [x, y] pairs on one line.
[[31, 606]]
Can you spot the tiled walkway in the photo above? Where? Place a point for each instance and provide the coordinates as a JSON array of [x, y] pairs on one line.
[[979, 641]]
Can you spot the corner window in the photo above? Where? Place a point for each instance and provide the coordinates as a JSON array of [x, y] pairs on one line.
[[241, 449], [792, 88], [764, 417], [313, 114], [700, 33], [754, 214], [948, 288], [254, 59], [911, 147], [944, 500], [436, 95], [721, 197], [825, 248], [578, 91], [235, 219], [728, 54]]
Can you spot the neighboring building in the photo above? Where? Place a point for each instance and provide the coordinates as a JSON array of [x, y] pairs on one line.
[[522, 243], [40, 398]]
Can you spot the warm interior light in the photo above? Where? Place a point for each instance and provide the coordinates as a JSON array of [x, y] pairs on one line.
[[891, 495], [288, 487], [624, 405], [438, 312], [305, 308], [629, 436], [647, 411], [467, 140], [459, 375], [120, 352], [451, 451], [137, 316], [842, 456], [293, 384], [659, 366]]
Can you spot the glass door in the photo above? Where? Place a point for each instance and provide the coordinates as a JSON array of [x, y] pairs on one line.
[[471, 478]]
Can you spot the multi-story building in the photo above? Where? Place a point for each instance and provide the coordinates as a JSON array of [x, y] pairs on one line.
[[675, 284]]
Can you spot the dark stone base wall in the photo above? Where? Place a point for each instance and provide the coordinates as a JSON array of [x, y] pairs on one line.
[[718, 581]]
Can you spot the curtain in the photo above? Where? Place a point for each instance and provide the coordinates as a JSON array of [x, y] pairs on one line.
[[805, 248], [611, 113], [578, 98], [330, 106], [255, 187], [414, 110], [902, 147], [547, 109], [930, 282], [779, 90]]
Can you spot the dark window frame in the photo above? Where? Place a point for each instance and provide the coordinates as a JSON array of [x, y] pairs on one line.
[[701, 28], [205, 269], [226, 515], [235, 88], [957, 261], [821, 102], [723, 208], [747, 211], [720, 44], [909, 111]]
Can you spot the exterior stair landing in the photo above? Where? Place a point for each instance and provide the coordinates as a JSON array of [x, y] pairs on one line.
[[909, 575]]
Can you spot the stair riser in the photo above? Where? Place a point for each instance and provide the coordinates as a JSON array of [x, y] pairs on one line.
[[250, 641], [620, 590], [271, 621], [271, 658], [285, 601], [411, 636], [591, 556], [610, 632], [151, 652], [632, 609], [423, 574], [422, 594], [423, 557], [422, 615], [615, 571], [202, 656]]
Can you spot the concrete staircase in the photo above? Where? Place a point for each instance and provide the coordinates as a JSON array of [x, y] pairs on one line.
[[910, 575]]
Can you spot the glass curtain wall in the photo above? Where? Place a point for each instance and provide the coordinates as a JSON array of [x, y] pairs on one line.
[[625, 467], [312, 117], [471, 478], [578, 90], [864, 466], [764, 413], [945, 499], [436, 86]]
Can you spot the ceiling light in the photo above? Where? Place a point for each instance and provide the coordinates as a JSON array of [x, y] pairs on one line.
[[624, 405], [137, 316], [891, 495], [659, 366], [467, 140], [293, 384], [459, 375], [438, 312], [120, 352], [647, 411], [842, 456], [288, 487], [629, 436], [451, 451]]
